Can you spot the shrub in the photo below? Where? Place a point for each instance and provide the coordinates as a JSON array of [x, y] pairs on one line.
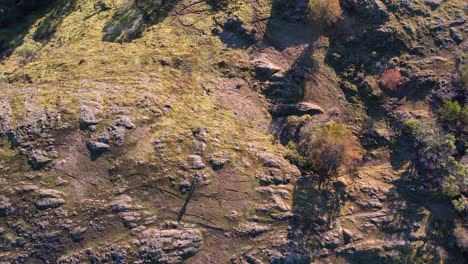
[[329, 149], [450, 188], [3, 77], [324, 12], [390, 79], [28, 50], [410, 126], [459, 204], [453, 113], [464, 116], [450, 111], [434, 160], [464, 76], [293, 156], [432, 147]]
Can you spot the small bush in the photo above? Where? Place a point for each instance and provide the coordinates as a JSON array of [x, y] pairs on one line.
[[434, 160], [28, 51], [464, 76], [3, 77], [293, 156], [410, 126], [450, 111], [324, 12], [450, 188], [459, 204], [331, 148], [390, 79], [453, 113], [458, 170], [433, 148], [464, 116]]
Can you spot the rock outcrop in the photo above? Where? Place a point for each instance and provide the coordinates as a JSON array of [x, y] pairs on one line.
[[153, 245], [299, 109]]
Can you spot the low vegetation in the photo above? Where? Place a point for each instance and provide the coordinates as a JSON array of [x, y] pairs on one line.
[[432, 146], [28, 51], [464, 76], [329, 150], [390, 79], [434, 162], [450, 188], [459, 204], [293, 156], [324, 12], [452, 113]]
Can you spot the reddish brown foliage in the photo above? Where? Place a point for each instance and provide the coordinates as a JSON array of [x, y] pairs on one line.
[[390, 79]]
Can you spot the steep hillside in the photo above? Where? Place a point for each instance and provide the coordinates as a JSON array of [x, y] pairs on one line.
[[116, 113]]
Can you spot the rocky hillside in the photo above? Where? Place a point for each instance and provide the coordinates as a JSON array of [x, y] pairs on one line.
[[301, 131]]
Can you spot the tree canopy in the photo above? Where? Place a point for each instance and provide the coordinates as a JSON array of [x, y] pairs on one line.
[[330, 149]]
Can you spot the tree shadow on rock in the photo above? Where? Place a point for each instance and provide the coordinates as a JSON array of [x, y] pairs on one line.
[[286, 26], [16, 18], [53, 20], [130, 20], [234, 34], [315, 208], [360, 46], [422, 215], [418, 213], [402, 152], [289, 87]]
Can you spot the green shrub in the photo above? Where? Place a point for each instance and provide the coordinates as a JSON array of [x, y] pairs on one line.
[[28, 51], [433, 148], [293, 156], [453, 113], [450, 111], [464, 76], [458, 170], [450, 143], [450, 188], [410, 126], [464, 116], [3, 77], [459, 204]]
